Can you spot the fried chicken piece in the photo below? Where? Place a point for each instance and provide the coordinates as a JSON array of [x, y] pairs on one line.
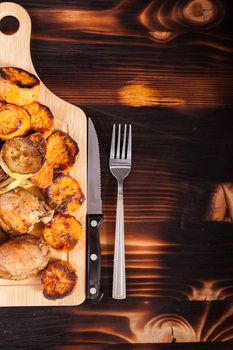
[[20, 210], [23, 257]]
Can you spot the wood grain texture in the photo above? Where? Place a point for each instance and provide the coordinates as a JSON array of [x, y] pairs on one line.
[[168, 72], [15, 51]]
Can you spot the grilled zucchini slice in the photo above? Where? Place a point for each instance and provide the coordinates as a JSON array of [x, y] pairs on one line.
[[64, 194], [58, 280], [61, 151], [18, 86], [42, 119], [14, 121], [63, 232], [21, 158]]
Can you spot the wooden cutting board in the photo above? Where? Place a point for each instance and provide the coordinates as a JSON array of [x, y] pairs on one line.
[[15, 51]]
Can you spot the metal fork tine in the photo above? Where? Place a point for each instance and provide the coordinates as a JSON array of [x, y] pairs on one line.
[[129, 148], [118, 142], [112, 151], [124, 142]]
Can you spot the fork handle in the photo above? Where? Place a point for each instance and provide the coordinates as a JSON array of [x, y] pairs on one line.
[[119, 283]]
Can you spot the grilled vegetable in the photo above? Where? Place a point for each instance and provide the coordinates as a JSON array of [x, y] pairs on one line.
[[44, 177], [37, 137], [58, 280], [64, 194], [61, 151], [21, 158], [63, 232], [42, 119], [14, 121], [18, 86]]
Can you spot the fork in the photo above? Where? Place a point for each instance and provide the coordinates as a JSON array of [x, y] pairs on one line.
[[120, 166]]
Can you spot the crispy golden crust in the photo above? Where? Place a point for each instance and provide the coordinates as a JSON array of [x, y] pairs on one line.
[[39, 138], [63, 232], [22, 156], [64, 194], [58, 280], [44, 177], [14, 121], [42, 119], [18, 86], [61, 151]]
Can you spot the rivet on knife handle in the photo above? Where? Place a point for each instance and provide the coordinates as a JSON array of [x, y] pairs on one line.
[[94, 293]]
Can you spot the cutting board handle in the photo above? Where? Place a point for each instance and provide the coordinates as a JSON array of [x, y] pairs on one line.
[[15, 48]]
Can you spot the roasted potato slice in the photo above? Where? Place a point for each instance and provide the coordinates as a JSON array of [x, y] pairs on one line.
[[37, 137], [21, 158], [58, 280], [63, 232], [61, 151], [14, 121], [42, 119], [44, 177], [18, 86], [64, 194]]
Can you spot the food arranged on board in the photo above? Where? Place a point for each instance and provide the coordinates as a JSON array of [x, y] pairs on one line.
[[38, 197]]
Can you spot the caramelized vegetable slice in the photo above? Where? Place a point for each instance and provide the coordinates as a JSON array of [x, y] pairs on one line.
[[63, 232], [37, 137], [64, 194], [61, 151], [42, 119], [21, 156], [58, 280], [44, 177], [18, 86], [14, 121]]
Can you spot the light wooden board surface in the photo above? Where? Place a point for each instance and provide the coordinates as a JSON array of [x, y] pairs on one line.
[[15, 51]]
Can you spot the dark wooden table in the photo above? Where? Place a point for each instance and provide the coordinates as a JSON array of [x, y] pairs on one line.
[[165, 66]]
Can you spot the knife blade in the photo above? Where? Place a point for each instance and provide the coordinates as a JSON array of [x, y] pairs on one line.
[[94, 216]]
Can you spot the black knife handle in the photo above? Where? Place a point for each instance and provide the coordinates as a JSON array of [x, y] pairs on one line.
[[94, 293]]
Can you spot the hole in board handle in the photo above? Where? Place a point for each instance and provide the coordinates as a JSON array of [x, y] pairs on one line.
[[9, 25]]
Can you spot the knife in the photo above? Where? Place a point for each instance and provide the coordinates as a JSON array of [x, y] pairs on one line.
[[94, 216]]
